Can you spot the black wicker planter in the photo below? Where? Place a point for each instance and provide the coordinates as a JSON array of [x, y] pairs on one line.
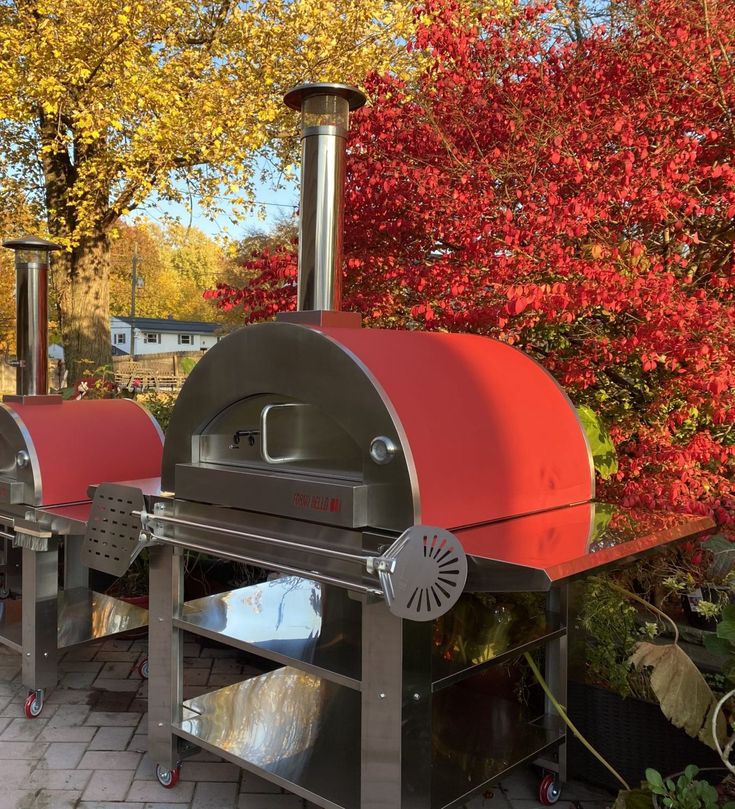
[[631, 735]]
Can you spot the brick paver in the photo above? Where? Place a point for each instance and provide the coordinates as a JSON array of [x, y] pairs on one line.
[[87, 749]]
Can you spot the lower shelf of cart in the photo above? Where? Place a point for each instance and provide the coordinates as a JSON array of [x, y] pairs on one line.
[[302, 733], [476, 742], [82, 616]]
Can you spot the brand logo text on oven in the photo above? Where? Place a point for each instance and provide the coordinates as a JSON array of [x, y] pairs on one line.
[[317, 502]]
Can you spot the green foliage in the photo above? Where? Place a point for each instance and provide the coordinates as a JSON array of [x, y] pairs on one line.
[[160, 405], [686, 792], [174, 264], [187, 364], [634, 798], [603, 450], [722, 643], [723, 559], [611, 630]]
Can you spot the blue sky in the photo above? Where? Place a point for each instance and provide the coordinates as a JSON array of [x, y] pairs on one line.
[[272, 204]]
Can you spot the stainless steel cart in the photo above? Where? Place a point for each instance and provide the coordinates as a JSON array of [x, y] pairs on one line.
[[368, 709], [50, 452]]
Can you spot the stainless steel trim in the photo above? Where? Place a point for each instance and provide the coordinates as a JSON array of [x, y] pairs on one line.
[[331, 501], [335, 554], [31, 450], [5, 535], [254, 560], [295, 97]]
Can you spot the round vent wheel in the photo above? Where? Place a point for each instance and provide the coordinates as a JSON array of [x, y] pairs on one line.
[[429, 573]]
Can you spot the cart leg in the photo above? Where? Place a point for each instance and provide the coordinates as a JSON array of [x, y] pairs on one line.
[[382, 651], [396, 711], [75, 573], [555, 671], [5, 569], [165, 654], [40, 617]]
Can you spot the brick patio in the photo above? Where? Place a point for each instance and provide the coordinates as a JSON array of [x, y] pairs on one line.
[[87, 749]]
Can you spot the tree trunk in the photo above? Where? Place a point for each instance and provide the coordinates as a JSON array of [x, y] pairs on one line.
[[84, 306]]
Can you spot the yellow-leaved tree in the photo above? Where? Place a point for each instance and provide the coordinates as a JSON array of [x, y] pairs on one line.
[[106, 104], [175, 265]]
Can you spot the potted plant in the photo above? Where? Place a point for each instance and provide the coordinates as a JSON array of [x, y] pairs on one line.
[[691, 789], [615, 705], [689, 703]]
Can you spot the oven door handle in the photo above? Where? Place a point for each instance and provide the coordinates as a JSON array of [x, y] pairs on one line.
[[266, 455]]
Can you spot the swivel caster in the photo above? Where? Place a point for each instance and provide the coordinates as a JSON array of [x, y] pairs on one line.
[[143, 669], [167, 778], [33, 705], [4, 591], [549, 790]]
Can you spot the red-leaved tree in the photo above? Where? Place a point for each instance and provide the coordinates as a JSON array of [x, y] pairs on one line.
[[576, 199]]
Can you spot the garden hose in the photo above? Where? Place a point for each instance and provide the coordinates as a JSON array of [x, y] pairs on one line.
[[568, 722]]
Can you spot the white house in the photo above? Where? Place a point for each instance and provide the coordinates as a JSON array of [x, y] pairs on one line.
[[158, 335]]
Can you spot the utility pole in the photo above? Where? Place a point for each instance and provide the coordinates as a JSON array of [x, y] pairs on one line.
[[132, 301]]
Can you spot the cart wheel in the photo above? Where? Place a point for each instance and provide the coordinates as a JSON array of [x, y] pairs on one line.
[[549, 790], [4, 591], [33, 704], [143, 669], [167, 778]]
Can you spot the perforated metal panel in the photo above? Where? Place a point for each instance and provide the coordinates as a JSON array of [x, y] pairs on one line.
[[112, 539], [428, 576]]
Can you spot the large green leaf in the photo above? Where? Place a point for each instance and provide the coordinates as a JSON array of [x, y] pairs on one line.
[[726, 627], [604, 456], [723, 556], [682, 692], [718, 646]]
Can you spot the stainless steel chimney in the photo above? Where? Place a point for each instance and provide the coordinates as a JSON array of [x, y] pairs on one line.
[[325, 111], [31, 302]]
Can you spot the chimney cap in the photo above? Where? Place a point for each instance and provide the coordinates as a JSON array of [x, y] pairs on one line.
[[28, 242], [296, 96]]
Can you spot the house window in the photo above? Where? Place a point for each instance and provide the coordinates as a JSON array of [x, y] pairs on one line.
[[186, 339], [152, 337], [121, 337]]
